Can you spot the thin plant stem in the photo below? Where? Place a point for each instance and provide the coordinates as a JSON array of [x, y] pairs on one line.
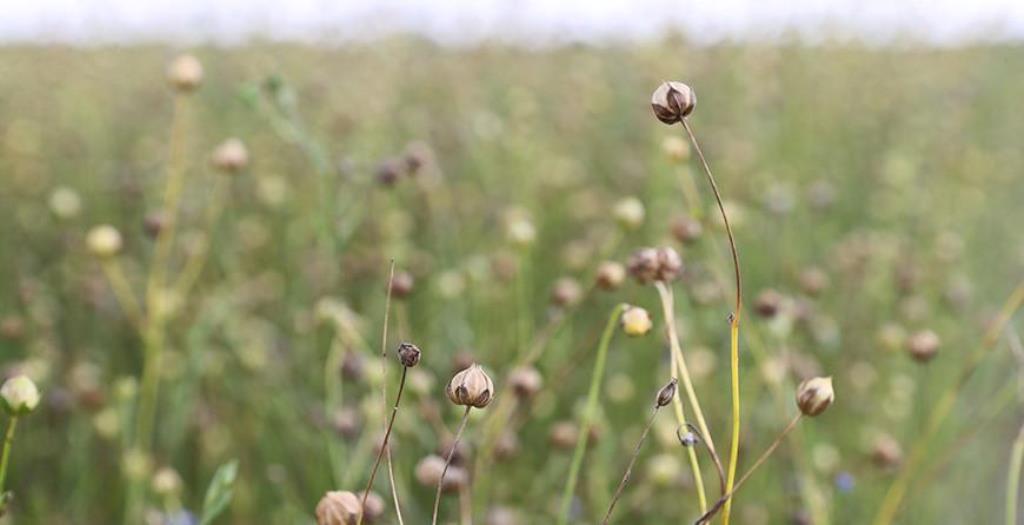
[[465, 506], [734, 322], [681, 372], [743, 479], [12, 425], [384, 445], [589, 412], [197, 260], [448, 461], [894, 497], [1013, 478], [629, 468], [122, 290]]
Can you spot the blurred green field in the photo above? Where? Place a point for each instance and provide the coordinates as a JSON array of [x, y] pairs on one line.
[[898, 172]]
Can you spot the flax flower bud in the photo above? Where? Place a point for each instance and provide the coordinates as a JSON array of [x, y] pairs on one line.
[[643, 265], [20, 395], [338, 508], [610, 275], [815, 395], [471, 387], [923, 346], [672, 101], [525, 381], [104, 241], [408, 354], [636, 321]]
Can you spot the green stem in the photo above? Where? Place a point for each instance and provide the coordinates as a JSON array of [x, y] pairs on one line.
[[8, 442], [1013, 479], [448, 462], [588, 414]]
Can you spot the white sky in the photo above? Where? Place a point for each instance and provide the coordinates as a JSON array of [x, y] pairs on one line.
[[530, 21]]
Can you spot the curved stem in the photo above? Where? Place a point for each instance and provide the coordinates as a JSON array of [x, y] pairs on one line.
[[629, 468], [448, 461], [894, 497], [734, 322], [5, 458], [384, 445], [764, 456], [1013, 478], [589, 412]]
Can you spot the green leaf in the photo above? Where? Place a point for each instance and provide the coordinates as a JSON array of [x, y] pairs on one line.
[[218, 494]]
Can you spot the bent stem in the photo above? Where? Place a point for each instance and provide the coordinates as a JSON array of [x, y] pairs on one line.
[[764, 457], [734, 322], [384, 447], [589, 412], [629, 468], [680, 371], [448, 461], [1013, 479], [894, 497]]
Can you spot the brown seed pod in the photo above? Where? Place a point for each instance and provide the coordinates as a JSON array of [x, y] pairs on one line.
[[672, 101], [430, 469], [373, 507], [409, 354], [670, 264], [185, 73], [338, 508], [687, 230], [390, 171], [643, 265], [525, 381], [886, 452], [815, 395], [230, 157], [666, 393], [768, 303], [923, 345], [563, 435], [471, 387], [402, 285], [566, 292], [610, 275], [154, 223]]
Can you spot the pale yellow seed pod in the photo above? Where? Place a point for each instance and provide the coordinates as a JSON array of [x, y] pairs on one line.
[[636, 321], [104, 241]]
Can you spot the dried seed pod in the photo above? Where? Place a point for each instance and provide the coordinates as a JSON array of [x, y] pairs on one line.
[[185, 73], [104, 241], [402, 285], [923, 345], [373, 507], [815, 395], [345, 421], [525, 381], [566, 292], [672, 101], [507, 446], [564, 435], [629, 212], [19, 395], [390, 171], [154, 223], [462, 453], [768, 303], [813, 281], [636, 321], [687, 230], [338, 508], [430, 468], [610, 275], [408, 354], [666, 393], [471, 387], [670, 264], [886, 452], [230, 157], [643, 265]]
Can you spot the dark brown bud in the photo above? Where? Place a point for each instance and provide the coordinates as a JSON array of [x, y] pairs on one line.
[[666, 393], [768, 303], [672, 101], [154, 223], [408, 354], [923, 346], [525, 381], [687, 230], [402, 285], [389, 171], [471, 387], [643, 265]]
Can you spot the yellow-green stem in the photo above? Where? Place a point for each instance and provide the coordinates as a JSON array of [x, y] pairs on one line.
[[5, 458], [589, 412], [1013, 478]]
